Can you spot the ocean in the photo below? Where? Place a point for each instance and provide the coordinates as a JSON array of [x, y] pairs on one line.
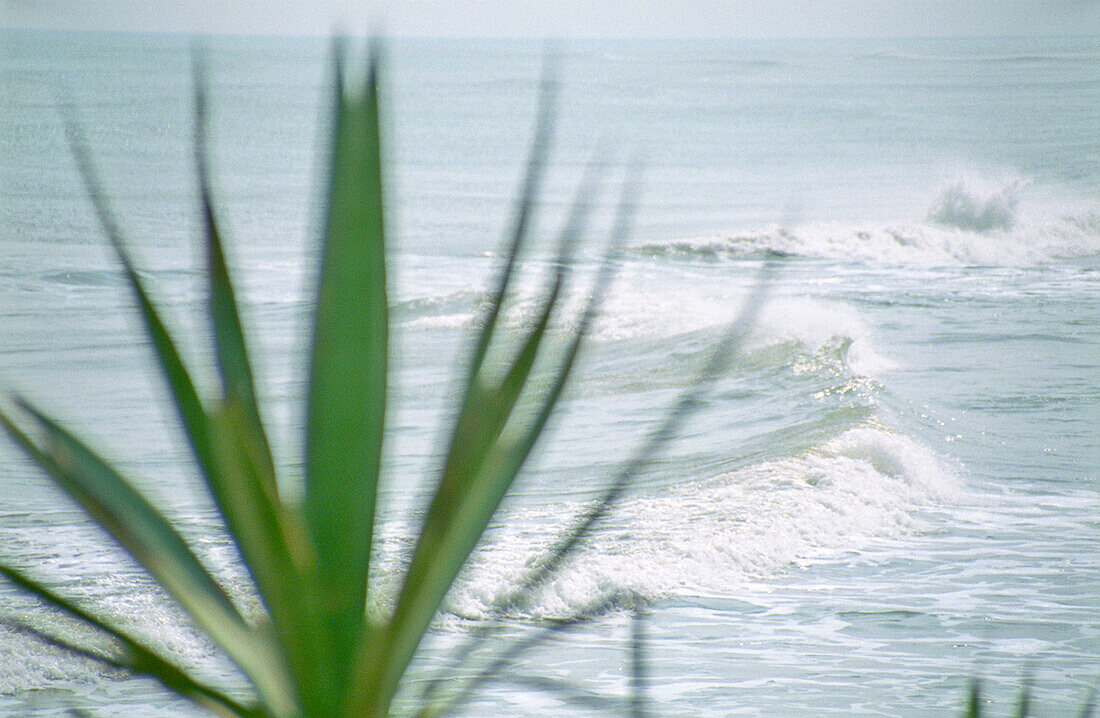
[[892, 488]]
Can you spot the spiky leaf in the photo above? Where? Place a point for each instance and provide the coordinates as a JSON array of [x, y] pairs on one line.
[[347, 389], [272, 538], [135, 657], [147, 535]]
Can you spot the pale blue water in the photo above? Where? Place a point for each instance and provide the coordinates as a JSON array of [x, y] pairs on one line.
[[895, 487]]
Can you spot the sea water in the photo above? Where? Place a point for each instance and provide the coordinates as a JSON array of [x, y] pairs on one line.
[[893, 486]]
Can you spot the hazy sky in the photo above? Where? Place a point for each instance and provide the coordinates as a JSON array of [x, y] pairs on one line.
[[571, 18]]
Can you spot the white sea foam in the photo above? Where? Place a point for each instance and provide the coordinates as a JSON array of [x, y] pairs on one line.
[[965, 205], [456, 320], [816, 325], [648, 306], [914, 244], [969, 221], [709, 537]]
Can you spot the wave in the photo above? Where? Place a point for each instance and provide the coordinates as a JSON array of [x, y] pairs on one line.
[[788, 331], [697, 537], [455, 310], [797, 496], [703, 538], [969, 222], [963, 206], [817, 334]]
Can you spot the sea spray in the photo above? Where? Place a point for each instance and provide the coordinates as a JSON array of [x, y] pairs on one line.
[[969, 222], [965, 205]]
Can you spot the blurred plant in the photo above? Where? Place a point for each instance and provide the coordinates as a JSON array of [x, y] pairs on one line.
[[1023, 702], [316, 651]]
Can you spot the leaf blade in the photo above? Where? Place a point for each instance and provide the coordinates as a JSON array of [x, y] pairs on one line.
[[140, 659], [118, 508], [230, 347], [185, 397], [349, 357], [974, 699], [481, 461], [524, 212], [140, 529], [272, 538]]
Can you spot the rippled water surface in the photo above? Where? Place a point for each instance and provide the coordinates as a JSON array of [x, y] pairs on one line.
[[894, 486]]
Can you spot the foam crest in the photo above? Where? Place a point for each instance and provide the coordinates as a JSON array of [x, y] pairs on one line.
[[965, 205], [734, 530], [803, 328], [661, 307], [903, 244], [453, 310], [971, 221], [817, 326]]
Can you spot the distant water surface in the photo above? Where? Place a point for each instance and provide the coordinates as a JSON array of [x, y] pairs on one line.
[[895, 486]]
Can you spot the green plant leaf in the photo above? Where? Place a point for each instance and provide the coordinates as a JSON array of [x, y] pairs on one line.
[[347, 388], [974, 699], [1023, 701], [491, 441], [521, 224], [136, 658], [468, 495], [510, 457], [230, 347], [186, 399], [490, 401], [273, 540], [268, 676], [137, 526], [1088, 708], [508, 655]]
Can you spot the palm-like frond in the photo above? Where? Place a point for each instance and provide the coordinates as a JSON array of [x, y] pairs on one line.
[[347, 389], [133, 656], [315, 653]]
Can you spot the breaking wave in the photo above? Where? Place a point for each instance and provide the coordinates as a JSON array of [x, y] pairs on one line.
[[964, 206], [967, 223], [704, 537]]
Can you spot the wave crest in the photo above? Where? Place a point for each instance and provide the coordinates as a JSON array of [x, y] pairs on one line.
[[965, 206], [737, 528], [969, 222]]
